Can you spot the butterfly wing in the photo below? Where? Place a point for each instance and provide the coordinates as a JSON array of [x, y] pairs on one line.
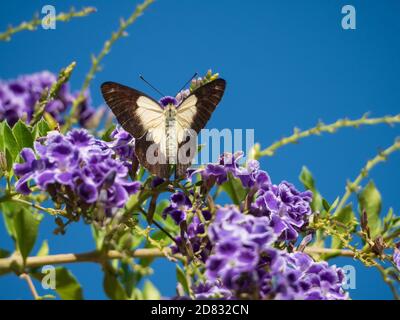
[[194, 113], [142, 117]]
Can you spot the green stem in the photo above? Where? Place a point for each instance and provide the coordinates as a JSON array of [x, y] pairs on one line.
[[388, 281], [37, 21], [51, 94], [73, 117], [353, 186]]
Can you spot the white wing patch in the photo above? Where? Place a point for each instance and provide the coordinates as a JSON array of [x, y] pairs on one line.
[[184, 116], [152, 118]]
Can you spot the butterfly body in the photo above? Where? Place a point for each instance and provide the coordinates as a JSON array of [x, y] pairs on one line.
[[164, 130]]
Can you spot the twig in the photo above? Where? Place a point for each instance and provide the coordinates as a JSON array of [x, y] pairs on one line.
[[158, 225], [73, 117], [353, 186], [328, 128], [388, 282], [32, 288], [339, 252], [36, 21], [50, 211]]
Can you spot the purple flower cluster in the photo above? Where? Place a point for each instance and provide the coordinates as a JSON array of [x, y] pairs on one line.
[[18, 98], [285, 208], [76, 170], [396, 257], [123, 144], [193, 239], [245, 263]]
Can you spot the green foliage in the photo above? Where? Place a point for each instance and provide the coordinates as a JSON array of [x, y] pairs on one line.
[[308, 182], [44, 249], [13, 140], [26, 227], [10, 143], [67, 286], [370, 201], [113, 287], [23, 135], [346, 219], [150, 292], [182, 279], [233, 187]]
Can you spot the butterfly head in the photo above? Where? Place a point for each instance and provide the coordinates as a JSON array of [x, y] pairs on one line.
[[168, 100]]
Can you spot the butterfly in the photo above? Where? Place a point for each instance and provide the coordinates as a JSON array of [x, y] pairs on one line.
[[165, 131]]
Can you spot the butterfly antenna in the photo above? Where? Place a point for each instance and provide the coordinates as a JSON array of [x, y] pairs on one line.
[[151, 86], [194, 76]]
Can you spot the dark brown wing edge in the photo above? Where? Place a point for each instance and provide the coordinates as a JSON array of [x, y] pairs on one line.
[[122, 102], [208, 96]]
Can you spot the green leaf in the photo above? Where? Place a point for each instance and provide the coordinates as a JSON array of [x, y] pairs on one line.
[[308, 181], [8, 217], [344, 216], [370, 200], [10, 143], [44, 249], [150, 292], [181, 278], [127, 278], [2, 123], [9, 160], [112, 287], [106, 136], [326, 205], [42, 128], [26, 227], [234, 188], [51, 122], [22, 135], [67, 286]]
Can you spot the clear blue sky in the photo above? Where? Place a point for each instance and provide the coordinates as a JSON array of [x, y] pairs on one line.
[[287, 63]]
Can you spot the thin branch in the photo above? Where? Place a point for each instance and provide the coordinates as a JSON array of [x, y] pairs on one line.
[[50, 211], [339, 252], [158, 225], [324, 128], [7, 264], [352, 187], [388, 282], [73, 117], [32, 288], [37, 21]]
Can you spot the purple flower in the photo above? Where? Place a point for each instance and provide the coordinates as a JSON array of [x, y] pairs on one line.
[[286, 208], [179, 204], [76, 169], [182, 95], [396, 258], [123, 144], [18, 98], [244, 262], [211, 290]]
